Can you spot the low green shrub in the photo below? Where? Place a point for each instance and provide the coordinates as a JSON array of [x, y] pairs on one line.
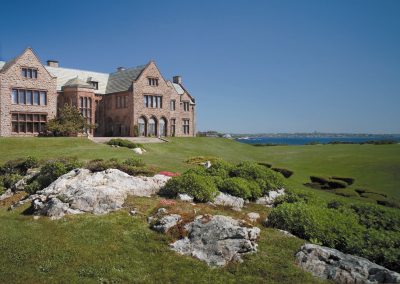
[[19, 166], [9, 180], [319, 179], [285, 172], [131, 166], [2, 189], [124, 143], [200, 159], [33, 187], [134, 162], [334, 184], [330, 227], [377, 217], [201, 188], [53, 169], [240, 187], [266, 178], [346, 192], [220, 168], [265, 165], [347, 180]]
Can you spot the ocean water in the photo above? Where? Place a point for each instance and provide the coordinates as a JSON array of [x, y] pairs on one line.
[[305, 140]]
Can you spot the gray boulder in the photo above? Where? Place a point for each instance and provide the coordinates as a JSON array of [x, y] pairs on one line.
[[332, 264], [165, 223], [217, 240], [22, 183], [269, 199], [82, 191], [228, 200]]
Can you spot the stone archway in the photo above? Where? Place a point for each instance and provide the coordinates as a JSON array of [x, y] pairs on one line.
[[162, 126], [152, 129], [142, 126]]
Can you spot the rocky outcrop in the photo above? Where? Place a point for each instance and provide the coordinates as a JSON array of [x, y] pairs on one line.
[[184, 197], [22, 183], [332, 264], [217, 240], [253, 216], [165, 223], [268, 200], [229, 200], [82, 191]]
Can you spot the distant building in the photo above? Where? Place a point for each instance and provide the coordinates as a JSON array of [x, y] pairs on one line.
[[124, 103], [227, 136]]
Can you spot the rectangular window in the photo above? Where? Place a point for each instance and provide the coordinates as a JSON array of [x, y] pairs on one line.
[[28, 122], [21, 97], [186, 126], [28, 97], [172, 105], [43, 98], [36, 97], [152, 101], [153, 81], [15, 96], [186, 106], [29, 73]]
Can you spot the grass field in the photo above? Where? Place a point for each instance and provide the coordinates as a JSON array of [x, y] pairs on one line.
[[118, 248]]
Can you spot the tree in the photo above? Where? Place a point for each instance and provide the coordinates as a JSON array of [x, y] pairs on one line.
[[69, 122]]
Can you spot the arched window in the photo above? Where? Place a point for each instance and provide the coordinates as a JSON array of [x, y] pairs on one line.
[[142, 126], [163, 127], [152, 127]]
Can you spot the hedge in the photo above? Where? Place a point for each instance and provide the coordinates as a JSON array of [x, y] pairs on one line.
[[285, 172], [124, 143]]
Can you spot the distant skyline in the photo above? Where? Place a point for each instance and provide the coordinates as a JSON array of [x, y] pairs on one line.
[[253, 66]]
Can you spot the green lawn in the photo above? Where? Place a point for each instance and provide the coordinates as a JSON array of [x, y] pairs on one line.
[[120, 248]]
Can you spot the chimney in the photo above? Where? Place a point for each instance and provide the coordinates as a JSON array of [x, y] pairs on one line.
[[52, 63], [120, 68], [177, 79]]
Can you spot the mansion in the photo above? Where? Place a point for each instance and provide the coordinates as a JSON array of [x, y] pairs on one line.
[[129, 102]]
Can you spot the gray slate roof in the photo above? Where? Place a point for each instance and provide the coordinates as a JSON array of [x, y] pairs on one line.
[[2, 64], [76, 82], [122, 80]]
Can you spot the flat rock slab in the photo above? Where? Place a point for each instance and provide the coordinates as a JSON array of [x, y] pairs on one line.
[[217, 240], [225, 199], [82, 191], [332, 264]]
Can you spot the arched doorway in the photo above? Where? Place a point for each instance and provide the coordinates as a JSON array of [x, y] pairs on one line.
[[163, 127], [142, 126], [152, 127]]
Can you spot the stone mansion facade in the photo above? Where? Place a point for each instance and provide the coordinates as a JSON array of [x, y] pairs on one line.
[[130, 102]]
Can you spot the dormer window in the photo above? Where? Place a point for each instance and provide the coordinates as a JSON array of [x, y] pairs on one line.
[[95, 85], [153, 81], [30, 73]]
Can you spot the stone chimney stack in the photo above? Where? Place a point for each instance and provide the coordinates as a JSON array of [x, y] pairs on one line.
[[52, 63], [120, 68], [177, 79]]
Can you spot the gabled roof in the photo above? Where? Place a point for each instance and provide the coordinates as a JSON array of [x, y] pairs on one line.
[[122, 80], [181, 90], [66, 74], [76, 82]]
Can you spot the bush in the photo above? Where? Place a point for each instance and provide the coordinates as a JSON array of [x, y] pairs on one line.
[[333, 184], [285, 172], [220, 168], [241, 187], [53, 169], [347, 180], [124, 143], [69, 122], [132, 166], [265, 165], [377, 217], [19, 166], [201, 188], [200, 159], [134, 162], [266, 178], [9, 180], [33, 187], [332, 228], [318, 179]]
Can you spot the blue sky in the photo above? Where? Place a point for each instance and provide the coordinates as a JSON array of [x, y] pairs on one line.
[[253, 66]]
